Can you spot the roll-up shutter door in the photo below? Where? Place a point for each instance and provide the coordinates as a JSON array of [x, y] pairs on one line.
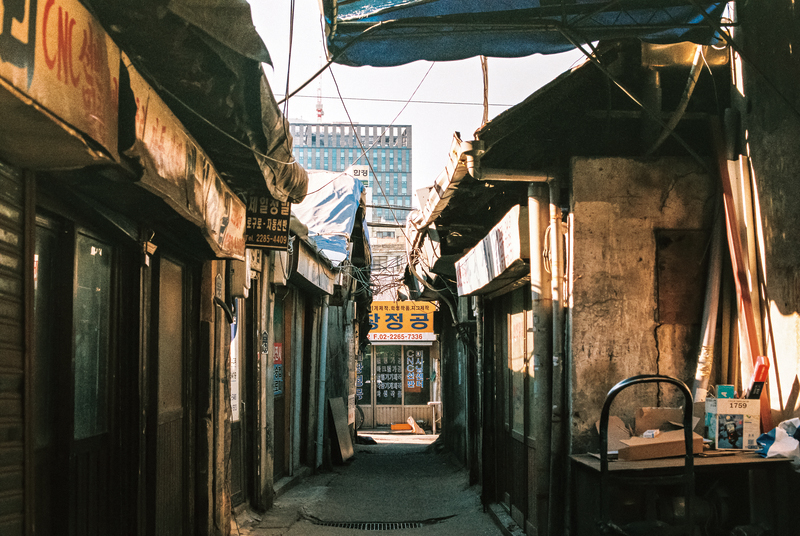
[[12, 351]]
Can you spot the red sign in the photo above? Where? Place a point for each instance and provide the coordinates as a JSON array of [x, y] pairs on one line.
[[277, 353]]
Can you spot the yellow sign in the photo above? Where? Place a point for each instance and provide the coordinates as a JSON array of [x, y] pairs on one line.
[[401, 321]]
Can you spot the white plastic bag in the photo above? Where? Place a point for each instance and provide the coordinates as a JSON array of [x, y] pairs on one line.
[[782, 441]]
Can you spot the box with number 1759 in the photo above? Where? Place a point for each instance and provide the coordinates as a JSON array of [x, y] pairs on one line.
[[733, 423]]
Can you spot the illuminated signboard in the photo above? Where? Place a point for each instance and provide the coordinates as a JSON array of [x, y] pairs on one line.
[[406, 321]]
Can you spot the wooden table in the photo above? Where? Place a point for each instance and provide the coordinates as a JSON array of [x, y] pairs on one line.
[[744, 487]]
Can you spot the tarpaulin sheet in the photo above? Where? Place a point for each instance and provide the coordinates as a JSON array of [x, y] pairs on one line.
[[329, 210], [394, 32]]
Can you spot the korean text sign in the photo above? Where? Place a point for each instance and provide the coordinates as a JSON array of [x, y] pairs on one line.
[[401, 321]]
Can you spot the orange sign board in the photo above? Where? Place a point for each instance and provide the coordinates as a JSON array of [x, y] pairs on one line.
[[405, 321]]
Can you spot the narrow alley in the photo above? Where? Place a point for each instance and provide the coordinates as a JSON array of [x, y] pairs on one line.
[[404, 484]]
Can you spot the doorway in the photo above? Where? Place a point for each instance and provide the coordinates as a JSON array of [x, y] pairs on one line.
[[395, 382], [172, 443], [75, 386]]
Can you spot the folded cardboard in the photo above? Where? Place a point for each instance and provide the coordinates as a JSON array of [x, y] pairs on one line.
[[617, 431], [655, 419], [665, 445], [733, 423]]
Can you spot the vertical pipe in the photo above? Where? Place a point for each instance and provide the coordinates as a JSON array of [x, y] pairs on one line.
[[557, 444], [541, 308], [323, 375], [478, 410], [298, 337], [709, 322]]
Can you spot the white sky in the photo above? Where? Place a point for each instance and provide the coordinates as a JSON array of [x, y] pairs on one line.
[[510, 81]]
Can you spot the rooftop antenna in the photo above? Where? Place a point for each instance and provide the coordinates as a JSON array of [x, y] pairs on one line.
[[320, 113]]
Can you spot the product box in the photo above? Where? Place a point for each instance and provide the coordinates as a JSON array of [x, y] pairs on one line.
[[733, 423]]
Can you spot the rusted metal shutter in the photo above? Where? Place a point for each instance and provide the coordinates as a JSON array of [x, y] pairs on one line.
[[12, 351]]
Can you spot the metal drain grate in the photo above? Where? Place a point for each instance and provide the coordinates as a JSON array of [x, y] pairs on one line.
[[372, 526], [375, 526]]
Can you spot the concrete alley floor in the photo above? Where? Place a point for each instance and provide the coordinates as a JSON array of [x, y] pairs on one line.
[[402, 479]]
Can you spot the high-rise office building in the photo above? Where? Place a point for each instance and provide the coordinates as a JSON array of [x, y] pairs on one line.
[[379, 155], [382, 150]]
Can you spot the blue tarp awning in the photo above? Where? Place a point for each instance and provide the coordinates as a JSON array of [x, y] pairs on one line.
[[395, 32], [329, 210]]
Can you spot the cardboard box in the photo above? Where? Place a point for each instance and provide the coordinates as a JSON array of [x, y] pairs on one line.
[[665, 445], [655, 419], [733, 423]]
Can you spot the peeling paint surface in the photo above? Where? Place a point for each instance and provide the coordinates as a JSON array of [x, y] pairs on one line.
[[618, 205]]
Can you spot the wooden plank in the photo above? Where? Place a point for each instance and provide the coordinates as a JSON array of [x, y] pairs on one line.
[[739, 270], [343, 447]]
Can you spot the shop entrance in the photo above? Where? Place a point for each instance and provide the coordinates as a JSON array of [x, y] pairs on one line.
[[395, 382]]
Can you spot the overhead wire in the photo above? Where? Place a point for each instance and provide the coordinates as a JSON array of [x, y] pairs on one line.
[[361, 144], [374, 99]]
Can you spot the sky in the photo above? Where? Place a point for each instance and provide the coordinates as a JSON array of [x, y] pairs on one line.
[[447, 96]]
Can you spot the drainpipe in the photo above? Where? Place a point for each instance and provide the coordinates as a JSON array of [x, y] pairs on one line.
[[477, 308], [541, 308], [323, 376], [557, 443]]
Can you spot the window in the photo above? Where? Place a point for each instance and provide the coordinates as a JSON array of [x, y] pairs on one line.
[[92, 312]]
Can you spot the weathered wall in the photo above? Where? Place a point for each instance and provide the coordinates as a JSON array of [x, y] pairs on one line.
[[769, 34], [621, 325]]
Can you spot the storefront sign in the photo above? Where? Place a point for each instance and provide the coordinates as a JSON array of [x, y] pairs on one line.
[[360, 172], [277, 360], [388, 375], [178, 170], [497, 261], [414, 371], [397, 322], [58, 55], [267, 223]]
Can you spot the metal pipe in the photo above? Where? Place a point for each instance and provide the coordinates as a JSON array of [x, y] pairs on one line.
[[541, 308], [694, 75], [709, 322], [323, 376], [297, 380], [478, 410], [555, 518]]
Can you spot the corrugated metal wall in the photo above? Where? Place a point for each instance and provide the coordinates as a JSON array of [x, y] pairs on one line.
[[12, 351], [386, 415]]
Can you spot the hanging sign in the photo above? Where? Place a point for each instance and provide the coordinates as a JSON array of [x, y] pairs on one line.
[[267, 225], [401, 321]]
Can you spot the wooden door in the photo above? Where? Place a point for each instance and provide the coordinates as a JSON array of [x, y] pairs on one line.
[[74, 386], [170, 445]]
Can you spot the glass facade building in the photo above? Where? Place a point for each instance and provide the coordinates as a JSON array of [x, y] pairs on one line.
[[381, 152]]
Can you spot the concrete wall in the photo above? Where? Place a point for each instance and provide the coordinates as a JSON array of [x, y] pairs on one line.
[[771, 125], [627, 215]]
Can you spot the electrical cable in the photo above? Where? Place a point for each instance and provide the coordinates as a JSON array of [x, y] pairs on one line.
[[368, 99], [152, 79], [361, 144]]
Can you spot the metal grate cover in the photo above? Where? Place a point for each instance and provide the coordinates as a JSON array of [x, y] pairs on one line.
[[377, 525], [371, 525]]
